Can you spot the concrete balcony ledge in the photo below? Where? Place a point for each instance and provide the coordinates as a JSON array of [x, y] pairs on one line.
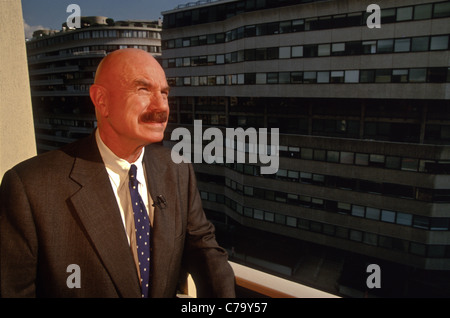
[[263, 284], [273, 286]]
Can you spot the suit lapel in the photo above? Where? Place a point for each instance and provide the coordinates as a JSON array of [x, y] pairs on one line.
[[97, 210], [163, 231]]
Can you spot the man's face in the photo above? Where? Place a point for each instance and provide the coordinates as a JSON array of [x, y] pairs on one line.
[[137, 108]]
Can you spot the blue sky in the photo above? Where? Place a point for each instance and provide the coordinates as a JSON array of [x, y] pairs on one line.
[[52, 14]]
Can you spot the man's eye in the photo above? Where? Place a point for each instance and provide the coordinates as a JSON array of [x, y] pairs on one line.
[[145, 89]]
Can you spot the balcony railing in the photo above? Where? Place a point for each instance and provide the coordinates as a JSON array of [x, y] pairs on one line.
[[265, 285]]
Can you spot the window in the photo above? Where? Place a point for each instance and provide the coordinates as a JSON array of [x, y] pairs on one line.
[[369, 47], [315, 226], [284, 78], [261, 78], [306, 153], [387, 15], [361, 159], [338, 49], [347, 157], [298, 25], [269, 216], [421, 222], [285, 27], [319, 155], [420, 44], [324, 50], [220, 59], [305, 200], [409, 164], [285, 52], [356, 235], [383, 76], [400, 76], [439, 43], [388, 216], [376, 160], [272, 78], [436, 251], [303, 224], [404, 14], [293, 176], [372, 213], [358, 210], [393, 162], [220, 80], [418, 249], [441, 10], [240, 79], [337, 77], [418, 75], [437, 75], [370, 239], [402, 45], [306, 177], [422, 12], [329, 229], [291, 221], [341, 232], [385, 46], [310, 77], [367, 76], [404, 219], [352, 76], [439, 224], [310, 50], [323, 77], [296, 77], [297, 51], [333, 156], [280, 219]]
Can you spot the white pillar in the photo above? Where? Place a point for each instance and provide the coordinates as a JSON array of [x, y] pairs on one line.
[[17, 139]]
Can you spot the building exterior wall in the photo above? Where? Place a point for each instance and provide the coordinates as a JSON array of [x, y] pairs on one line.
[[364, 147]]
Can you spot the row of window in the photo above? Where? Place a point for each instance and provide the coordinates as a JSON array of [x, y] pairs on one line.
[[351, 184], [354, 158], [363, 159], [360, 108], [390, 15], [392, 243], [302, 117], [402, 45], [90, 49], [400, 218], [92, 34], [413, 75]]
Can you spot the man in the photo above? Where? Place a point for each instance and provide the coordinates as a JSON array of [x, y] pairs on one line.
[[76, 206]]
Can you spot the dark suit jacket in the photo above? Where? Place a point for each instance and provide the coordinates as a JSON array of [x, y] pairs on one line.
[[59, 209]]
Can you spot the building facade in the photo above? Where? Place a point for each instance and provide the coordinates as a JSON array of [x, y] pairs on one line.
[[62, 67], [364, 121]]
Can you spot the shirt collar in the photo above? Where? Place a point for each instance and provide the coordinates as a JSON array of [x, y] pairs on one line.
[[117, 167]]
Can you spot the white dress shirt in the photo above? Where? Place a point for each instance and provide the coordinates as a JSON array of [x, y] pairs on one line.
[[117, 169]]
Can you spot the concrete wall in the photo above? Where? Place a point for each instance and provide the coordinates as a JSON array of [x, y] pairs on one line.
[[17, 141]]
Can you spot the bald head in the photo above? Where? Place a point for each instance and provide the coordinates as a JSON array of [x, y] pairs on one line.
[[121, 64], [130, 94]]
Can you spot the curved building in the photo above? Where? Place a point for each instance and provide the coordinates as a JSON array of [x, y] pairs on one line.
[[62, 67], [364, 119]]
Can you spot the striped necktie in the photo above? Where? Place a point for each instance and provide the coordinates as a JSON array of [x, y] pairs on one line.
[[142, 229]]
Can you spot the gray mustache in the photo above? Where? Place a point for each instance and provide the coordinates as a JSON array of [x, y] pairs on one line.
[[154, 117]]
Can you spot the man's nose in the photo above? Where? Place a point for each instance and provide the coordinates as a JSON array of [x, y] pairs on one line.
[[159, 101]]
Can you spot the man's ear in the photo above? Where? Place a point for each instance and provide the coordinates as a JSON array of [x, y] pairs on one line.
[[99, 96]]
